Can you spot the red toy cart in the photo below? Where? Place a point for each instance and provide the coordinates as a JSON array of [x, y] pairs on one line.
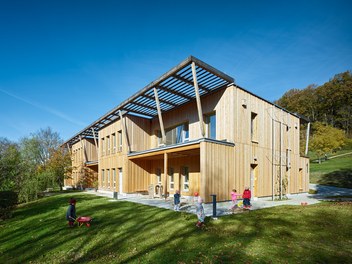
[[84, 220]]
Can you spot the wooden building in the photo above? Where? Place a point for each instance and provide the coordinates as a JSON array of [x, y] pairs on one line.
[[193, 129]]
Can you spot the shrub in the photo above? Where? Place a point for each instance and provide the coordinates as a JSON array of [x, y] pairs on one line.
[[8, 201]]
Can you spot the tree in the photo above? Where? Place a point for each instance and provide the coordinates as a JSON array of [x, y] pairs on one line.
[[58, 166], [10, 165], [326, 139]]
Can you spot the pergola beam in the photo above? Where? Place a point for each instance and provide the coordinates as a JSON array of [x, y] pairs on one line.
[[199, 105], [163, 136]]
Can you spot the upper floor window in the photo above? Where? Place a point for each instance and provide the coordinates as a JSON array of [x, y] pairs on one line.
[[254, 127], [103, 146], [175, 135], [119, 133], [108, 145], [113, 142], [210, 122]]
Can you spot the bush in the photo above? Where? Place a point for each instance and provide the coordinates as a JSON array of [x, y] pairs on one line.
[[8, 201]]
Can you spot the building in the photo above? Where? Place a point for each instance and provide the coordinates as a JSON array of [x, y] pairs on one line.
[[193, 129]]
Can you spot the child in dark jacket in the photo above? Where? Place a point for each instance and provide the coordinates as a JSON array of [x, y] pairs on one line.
[[71, 213], [177, 200]]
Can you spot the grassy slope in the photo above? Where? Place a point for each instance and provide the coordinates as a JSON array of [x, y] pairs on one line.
[[124, 232], [335, 172]]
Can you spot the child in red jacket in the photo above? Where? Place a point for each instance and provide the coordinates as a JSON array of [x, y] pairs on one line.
[[246, 198]]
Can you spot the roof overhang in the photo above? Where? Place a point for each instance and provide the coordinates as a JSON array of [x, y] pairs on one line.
[[174, 88]]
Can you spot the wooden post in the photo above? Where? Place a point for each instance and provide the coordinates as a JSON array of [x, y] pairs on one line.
[[165, 173], [199, 105], [307, 139], [96, 144], [163, 136], [124, 131], [273, 155]]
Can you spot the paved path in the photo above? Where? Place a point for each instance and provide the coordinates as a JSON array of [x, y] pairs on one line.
[[222, 208]]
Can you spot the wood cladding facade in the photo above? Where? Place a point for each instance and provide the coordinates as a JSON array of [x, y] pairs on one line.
[[256, 145]]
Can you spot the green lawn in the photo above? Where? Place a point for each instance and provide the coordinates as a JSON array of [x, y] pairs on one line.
[[124, 232], [335, 172]]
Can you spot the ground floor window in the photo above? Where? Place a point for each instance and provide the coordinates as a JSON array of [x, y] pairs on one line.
[[185, 177], [171, 176], [108, 175], [114, 177], [103, 178]]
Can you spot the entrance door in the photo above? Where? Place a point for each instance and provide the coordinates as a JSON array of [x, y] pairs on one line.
[[254, 180], [300, 180], [120, 180]]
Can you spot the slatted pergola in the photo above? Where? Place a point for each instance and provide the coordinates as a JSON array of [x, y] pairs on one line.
[[186, 82]]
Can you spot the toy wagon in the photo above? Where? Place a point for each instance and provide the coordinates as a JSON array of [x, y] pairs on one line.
[[84, 220]]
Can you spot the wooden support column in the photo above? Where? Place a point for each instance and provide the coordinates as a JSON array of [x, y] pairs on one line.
[[163, 136], [123, 124], [199, 105], [307, 139], [165, 174], [96, 144]]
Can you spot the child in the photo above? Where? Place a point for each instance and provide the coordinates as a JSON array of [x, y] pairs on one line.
[[177, 200], [246, 198], [200, 212], [234, 195], [71, 212]]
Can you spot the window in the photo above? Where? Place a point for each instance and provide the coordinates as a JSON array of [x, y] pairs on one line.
[[158, 176], [108, 176], [185, 176], [119, 133], [254, 127], [288, 158], [113, 143], [102, 146], [114, 177], [103, 177], [171, 177], [108, 145], [210, 121], [175, 135]]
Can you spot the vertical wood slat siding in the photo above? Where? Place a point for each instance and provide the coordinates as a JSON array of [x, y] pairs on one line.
[[217, 175]]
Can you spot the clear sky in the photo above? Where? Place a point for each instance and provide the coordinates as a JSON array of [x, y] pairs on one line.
[[65, 63]]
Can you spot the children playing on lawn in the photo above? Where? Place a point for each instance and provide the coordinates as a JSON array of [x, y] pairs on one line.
[[177, 200], [200, 212], [71, 213], [246, 198], [234, 196]]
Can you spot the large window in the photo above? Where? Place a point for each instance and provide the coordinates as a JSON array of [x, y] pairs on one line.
[[210, 121], [175, 135]]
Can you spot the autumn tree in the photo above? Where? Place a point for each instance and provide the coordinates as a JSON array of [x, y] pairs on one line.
[[326, 139]]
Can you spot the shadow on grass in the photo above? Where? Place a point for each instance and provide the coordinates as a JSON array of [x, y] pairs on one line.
[[340, 178], [125, 232]]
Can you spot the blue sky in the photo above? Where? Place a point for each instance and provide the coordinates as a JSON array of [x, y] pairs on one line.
[[64, 64]]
